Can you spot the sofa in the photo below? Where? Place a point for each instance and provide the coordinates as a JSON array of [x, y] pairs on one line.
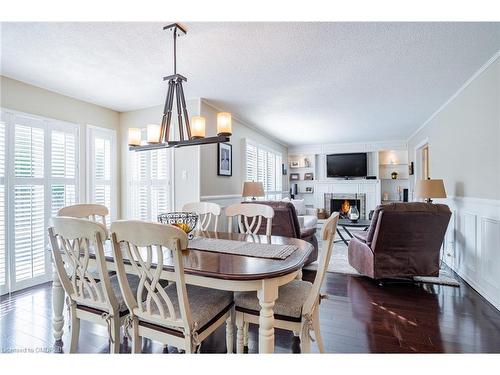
[[404, 240], [286, 223]]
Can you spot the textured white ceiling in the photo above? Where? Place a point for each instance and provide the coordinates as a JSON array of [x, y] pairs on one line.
[[300, 82]]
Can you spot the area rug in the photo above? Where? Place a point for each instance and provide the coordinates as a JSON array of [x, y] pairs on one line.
[[340, 264]]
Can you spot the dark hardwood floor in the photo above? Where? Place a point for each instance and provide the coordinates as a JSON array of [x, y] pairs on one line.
[[359, 316]]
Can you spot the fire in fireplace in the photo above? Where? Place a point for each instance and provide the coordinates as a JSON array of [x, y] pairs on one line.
[[342, 206]]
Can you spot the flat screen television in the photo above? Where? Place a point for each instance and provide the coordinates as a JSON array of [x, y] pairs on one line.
[[346, 165]]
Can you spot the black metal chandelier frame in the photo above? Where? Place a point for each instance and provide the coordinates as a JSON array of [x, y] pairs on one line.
[[176, 90]]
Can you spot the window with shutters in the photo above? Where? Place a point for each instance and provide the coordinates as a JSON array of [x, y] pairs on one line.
[[38, 175], [148, 184], [264, 165], [101, 151]]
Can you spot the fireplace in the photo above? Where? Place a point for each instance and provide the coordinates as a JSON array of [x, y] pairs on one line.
[[342, 206], [342, 202]]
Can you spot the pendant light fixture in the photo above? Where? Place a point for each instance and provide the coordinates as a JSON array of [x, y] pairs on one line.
[[159, 136]]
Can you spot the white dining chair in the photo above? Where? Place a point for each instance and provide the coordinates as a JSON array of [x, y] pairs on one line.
[[91, 211], [255, 211], [206, 212], [100, 300], [179, 315], [297, 306]]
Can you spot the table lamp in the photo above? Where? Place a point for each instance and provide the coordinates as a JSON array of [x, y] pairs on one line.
[[253, 189], [428, 189]]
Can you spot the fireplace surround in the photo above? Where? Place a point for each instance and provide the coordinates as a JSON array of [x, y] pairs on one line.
[[337, 202]]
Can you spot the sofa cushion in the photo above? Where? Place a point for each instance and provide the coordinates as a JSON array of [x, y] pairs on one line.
[[300, 206], [309, 221]]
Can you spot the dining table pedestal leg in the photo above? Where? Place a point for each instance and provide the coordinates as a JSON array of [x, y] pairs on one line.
[[267, 296], [57, 308]]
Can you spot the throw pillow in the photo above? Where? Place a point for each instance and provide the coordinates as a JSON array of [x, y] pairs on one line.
[[300, 206]]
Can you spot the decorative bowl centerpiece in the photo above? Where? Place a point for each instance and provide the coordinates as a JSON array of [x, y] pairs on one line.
[[183, 220]]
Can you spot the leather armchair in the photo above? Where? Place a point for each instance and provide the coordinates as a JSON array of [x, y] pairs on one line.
[[404, 240], [286, 224]]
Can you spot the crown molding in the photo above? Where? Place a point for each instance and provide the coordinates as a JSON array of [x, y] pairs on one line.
[[458, 92], [252, 127]]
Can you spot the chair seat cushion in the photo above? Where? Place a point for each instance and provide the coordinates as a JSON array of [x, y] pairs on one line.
[[291, 298], [133, 281], [205, 304]]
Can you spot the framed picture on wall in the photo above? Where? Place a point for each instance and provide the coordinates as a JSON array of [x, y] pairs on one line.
[[224, 159], [294, 176]]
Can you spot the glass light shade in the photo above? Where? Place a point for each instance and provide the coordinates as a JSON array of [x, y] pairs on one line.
[[198, 127], [153, 133], [134, 136], [224, 123], [353, 213]]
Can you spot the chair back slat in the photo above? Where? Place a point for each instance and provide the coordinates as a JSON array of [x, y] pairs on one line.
[[256, 212], [208, 212], [145, 246], [73, 242], [94, 212], [328, 236]]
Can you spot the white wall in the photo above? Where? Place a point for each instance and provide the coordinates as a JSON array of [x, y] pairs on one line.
[[185, 167], [211, 183], [34, 100], [464, 150]]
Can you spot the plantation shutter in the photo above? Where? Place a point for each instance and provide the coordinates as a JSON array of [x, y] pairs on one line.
[[28, 199], [264, 165], [102, 163], [38, 175], [3, 211], [251, 162], [63, 169], [149, 187]]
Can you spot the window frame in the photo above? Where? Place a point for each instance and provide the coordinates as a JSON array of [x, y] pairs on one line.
[[108, 134], [12, 118], [278, 177], [149, 182]]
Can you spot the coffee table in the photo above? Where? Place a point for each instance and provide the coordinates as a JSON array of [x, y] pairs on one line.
[[346, 223]]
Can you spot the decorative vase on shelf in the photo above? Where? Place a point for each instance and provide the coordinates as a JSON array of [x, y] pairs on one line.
[[353, 213], [394, 175]]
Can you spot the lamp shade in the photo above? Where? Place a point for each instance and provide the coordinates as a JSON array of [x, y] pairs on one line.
[[430, 189], [253, 189]]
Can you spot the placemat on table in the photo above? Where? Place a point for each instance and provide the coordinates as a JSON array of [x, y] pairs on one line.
[[252, 249]]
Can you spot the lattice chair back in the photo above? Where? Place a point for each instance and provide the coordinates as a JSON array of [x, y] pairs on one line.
[[207, 213], [73, 242], [253, 211], [144, 247], [94, 212], [328, 236]]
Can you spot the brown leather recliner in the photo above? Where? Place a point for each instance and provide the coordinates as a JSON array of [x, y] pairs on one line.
[[286, 224], [404, 240]]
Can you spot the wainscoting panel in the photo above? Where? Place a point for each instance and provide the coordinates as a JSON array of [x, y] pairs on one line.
[[472, 244], [490, 240]]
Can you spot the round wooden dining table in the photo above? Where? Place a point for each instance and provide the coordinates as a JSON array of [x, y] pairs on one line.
[[222, 271]]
